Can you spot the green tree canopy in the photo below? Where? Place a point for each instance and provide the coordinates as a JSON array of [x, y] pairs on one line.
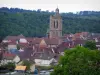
[[15, 21], [91, 45], [78, 61], [9, 66], [27, 64]]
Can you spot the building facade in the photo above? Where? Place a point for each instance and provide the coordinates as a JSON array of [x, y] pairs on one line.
[[55, 28]]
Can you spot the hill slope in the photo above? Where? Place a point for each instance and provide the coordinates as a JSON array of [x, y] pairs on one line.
[[15, 21]]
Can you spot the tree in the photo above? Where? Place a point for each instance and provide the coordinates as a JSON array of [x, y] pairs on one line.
[[9, 66], [17, 21], [78, 61], [91, 45], [18, 47], [1, 56], [27, 64]]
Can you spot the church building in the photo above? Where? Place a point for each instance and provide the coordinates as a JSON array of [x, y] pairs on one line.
[[55, 27]]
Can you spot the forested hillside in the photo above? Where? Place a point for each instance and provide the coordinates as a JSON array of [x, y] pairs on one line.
[[15, 21]]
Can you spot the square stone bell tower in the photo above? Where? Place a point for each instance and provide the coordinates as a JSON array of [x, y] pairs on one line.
[[55, 27]]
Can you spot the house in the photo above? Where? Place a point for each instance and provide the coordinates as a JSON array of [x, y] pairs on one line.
[[81, 35], [51, 42], [25, 54], [17, 39], [1, 54], [13, 41], [98, 45], [79, 42], [8, 57], [43, 59], [42, 55], [20, 68], [23, 42], [61, 48], [12, 45], [32, 68], [9, 38], [76, 36]]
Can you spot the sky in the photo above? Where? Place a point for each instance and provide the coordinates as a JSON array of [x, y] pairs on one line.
[[51, 5]]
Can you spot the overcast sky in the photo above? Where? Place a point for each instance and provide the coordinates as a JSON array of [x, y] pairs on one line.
[[63, 5]]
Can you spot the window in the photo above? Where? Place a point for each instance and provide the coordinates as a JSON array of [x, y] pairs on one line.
[[55, 24]]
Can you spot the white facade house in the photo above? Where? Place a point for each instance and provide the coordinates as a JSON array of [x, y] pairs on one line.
[[42, 62], [5, 41], [22, 40], [12, 46], [32, 68], [15, 59]]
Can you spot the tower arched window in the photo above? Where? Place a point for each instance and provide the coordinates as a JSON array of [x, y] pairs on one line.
[[56, 24]]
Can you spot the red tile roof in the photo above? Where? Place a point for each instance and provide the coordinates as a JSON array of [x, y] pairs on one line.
[[50, 41], [12, 43], [14, 37], [8, 55]]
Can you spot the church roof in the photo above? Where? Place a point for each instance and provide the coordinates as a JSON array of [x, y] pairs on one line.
[[57, 9]]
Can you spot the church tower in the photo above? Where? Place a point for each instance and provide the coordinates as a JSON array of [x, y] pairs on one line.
[[55, 28]]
